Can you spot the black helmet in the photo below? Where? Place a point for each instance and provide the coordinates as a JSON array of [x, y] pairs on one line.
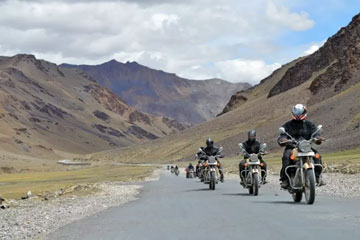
[[252, 135], [299, 112], [209, 142]]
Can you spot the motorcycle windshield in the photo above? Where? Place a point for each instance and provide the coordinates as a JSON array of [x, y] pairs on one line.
[[212, 159]]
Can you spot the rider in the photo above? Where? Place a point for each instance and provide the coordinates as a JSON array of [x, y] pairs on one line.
[[211, 150], [299, 128], [198, 166], [253, 146], [190, 167]]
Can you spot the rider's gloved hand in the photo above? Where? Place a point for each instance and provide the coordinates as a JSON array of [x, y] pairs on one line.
[[319, 140], [283, 142]]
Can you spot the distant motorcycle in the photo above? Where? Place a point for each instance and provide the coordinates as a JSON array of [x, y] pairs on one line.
[[210, 169], [168, 167], [301, 173], [190, 173], [176, 171], [250, 174], [172, 169]]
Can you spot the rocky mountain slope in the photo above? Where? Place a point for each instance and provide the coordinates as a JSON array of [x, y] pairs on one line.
[[162, 93], [328, 81], [46, 110]]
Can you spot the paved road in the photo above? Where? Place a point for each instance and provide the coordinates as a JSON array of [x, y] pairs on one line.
[[179, 208]]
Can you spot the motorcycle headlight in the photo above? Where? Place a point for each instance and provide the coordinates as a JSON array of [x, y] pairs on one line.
[[305, 146], [254, 158]]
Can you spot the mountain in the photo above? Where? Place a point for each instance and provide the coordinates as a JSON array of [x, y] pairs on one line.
[[160, 93], [327, 81], [46, 110]]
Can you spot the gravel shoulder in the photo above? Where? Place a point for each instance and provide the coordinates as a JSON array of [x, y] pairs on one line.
[[34, 218]]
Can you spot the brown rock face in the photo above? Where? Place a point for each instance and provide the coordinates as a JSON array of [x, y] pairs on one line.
[[165, 94], [334, 67], [235, 101], [44, 108]]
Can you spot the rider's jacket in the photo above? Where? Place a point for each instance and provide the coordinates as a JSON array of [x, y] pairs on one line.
[[252, 146], [298, 130], [210, 151]]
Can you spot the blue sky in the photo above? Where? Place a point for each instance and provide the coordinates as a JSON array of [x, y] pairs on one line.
[[236, 40]]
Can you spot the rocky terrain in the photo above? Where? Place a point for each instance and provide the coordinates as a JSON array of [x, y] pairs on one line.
[[27, 219], [36, 216], [157, 92], [46, 110]]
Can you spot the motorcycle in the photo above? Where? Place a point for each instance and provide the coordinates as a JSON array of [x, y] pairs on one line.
[[301, 173], [250, 174], [168, 167], [176, 171], [190, 173], [210, 167], [172, 169]]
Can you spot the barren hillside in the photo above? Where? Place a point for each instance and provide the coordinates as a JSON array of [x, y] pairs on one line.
[[161, 93], [46, 111]]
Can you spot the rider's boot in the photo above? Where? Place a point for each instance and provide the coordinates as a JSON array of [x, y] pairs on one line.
[[221, 176], [320, 181], [285, 184], [263, 178]]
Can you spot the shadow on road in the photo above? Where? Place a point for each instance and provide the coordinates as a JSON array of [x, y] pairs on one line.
[[237, 194], [281, 202], [198, 190]]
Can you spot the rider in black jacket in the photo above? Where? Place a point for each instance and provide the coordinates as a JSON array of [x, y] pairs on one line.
[[298, 128], [211, 150], [253, 146]]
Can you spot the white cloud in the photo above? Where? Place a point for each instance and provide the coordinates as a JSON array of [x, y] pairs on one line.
[[283, 16], [170, 35], [313, 48], [241, 70]]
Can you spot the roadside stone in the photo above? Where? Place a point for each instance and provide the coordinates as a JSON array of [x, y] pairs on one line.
[[34, 217]]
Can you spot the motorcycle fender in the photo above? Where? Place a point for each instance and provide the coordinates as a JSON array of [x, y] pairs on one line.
[[212, 170], [308, 165], [255, 170]]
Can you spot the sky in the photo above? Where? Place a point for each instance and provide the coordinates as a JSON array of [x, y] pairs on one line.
[[235, 40]]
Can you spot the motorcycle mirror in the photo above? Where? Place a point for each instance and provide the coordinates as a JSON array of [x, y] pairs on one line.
[[200, 150], [241, 145], [264, 145], [282, 130]]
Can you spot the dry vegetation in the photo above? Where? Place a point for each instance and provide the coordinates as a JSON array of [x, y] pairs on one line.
[[40, 183]]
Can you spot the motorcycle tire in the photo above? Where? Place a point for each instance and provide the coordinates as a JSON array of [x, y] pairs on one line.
[[212, 180], [309, 190], [255, 185]]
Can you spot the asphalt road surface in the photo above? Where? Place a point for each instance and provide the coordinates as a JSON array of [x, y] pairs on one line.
[[179, 208]]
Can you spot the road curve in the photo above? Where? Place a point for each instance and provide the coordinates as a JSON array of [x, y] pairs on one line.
[[179, 208]]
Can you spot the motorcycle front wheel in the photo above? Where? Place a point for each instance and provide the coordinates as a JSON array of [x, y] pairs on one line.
[[212, 180], [255, 185], [309, 186]]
